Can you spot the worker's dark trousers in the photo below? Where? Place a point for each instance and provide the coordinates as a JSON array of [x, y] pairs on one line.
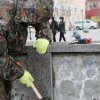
[[54, 36], [62, 36], [5, 90]]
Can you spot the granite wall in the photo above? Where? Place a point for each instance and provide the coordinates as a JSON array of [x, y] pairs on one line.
[[77, 72], [77, 76]]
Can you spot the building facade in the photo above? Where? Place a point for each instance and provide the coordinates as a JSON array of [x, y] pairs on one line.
[[70, 9], [93, 10]]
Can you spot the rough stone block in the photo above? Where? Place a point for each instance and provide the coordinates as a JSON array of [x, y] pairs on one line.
[[77, 76], [39, 67]]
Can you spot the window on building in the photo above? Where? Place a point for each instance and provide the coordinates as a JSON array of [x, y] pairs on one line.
[[93, 5], [87, 21], [75, 9]]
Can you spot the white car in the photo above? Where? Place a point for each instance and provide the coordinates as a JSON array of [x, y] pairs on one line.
[[85, 24]]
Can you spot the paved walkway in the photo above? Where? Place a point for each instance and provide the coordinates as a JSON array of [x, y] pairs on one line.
[[94, 34]]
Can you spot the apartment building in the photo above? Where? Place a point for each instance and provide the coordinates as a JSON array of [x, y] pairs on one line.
[[70, 9], [93, 10]]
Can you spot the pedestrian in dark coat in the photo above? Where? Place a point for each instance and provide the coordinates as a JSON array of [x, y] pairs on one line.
[[54, 27], [62, 29]]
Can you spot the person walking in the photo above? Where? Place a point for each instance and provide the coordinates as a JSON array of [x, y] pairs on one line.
[[54, 28], [62, 29]]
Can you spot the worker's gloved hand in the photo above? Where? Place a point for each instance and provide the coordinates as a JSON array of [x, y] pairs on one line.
[[41, 45], [45, 98], [26, 79]]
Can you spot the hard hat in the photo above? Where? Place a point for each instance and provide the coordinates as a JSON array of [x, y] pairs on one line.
[[77, 36]]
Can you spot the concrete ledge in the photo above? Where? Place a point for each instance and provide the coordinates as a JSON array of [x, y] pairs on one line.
[[65, 47]]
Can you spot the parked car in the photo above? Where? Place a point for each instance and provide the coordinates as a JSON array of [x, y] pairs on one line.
[[85, 24]]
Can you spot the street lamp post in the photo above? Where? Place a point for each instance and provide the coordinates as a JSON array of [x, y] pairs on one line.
[[82, 18]]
